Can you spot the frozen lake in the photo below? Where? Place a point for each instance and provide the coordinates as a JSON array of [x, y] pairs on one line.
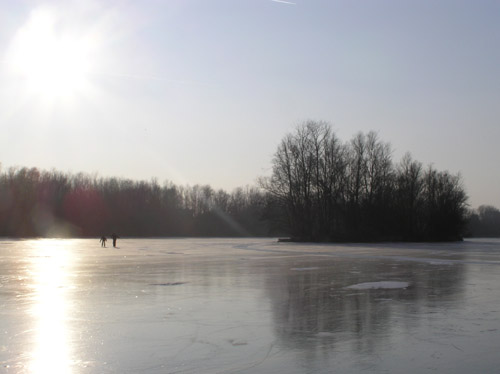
[[248, 306]]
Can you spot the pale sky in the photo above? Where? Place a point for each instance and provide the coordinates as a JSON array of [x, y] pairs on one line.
[[202, 92]]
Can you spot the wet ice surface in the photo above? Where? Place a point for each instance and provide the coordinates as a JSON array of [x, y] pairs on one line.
[[248, 306]]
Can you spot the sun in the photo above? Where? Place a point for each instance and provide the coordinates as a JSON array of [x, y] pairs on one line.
[[49, 57]]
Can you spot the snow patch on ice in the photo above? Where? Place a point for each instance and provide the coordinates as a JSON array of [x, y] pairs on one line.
[[441, 263], [304, 269], [236, 342], [378, 285]]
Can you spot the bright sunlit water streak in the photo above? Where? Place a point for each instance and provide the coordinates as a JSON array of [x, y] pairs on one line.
[[49, 270]]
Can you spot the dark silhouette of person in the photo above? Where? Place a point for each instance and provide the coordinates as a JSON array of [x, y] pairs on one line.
[[103, 241], [114, 236]]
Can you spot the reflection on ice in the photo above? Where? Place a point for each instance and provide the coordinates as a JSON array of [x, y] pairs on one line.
[[337, 302], [47, 274]]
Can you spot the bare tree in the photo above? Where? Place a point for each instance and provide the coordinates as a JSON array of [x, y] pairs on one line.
[[331, 190]]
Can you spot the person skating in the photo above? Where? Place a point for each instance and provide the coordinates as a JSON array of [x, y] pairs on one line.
[[114, 236]]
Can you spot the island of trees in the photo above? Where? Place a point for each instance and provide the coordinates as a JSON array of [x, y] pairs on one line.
[[320, 189]]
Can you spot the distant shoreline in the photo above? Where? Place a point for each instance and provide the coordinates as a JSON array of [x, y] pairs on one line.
[[274, 238]]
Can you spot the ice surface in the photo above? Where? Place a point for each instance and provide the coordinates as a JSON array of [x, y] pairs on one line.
[[248, 306]]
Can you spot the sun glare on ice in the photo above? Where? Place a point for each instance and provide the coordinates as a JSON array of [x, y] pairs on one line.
[[51, 307]]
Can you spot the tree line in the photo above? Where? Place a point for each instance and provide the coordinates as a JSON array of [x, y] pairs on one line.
[[329, 190], [484, 222], [51, 203], [320, 189]]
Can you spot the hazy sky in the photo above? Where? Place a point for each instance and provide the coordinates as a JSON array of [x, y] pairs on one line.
[[202, 92]]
